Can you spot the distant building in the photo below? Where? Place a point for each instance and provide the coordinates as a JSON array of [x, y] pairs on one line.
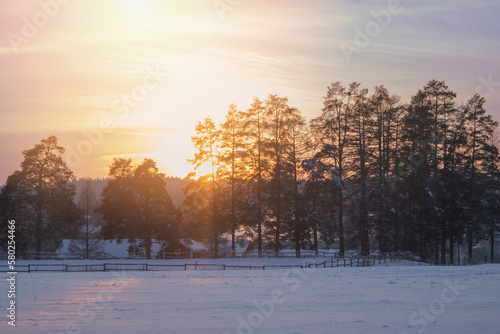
[[242, 248], [180, 249], [107, 249]]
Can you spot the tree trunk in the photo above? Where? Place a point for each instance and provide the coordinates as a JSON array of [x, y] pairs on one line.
[[365, 237], [452, 250], [233, 226], [469, 246], [259, 232], [87, 253], [436, 250], [315, 241], [278, 207], [233, 204], [492, 240], [341, 223], [259, 217], [38, 230], [214, 219], [215, 241], [39, 221], [147, 246], [298, 210], [259, 190], [443, 242], [297, 245]]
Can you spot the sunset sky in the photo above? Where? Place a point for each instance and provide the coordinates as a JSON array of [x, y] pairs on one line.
[[137, 75]]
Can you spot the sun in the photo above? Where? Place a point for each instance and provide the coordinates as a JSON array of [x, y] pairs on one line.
[[139, 9], [138, 5]]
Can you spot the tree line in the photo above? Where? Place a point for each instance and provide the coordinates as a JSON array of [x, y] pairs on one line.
[[420, 176], [134, 204]]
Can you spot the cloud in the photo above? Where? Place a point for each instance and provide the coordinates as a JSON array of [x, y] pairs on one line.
[[65, 80]]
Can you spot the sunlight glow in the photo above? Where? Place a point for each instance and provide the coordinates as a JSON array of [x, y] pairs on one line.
[[139, 8], [71, 70]]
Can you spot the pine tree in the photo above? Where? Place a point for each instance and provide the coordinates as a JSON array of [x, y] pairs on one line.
[[442, 106], [361, 139], [415, 171], [332, 129], [257, 149], [277, 115], [298, 148], [207, 143], [386, 118], [136, 204], [41, 195], [231, 161], [480, 129]]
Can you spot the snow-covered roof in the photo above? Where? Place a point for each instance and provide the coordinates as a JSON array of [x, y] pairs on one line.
[[193, 245], [111, 247], [240, 247]]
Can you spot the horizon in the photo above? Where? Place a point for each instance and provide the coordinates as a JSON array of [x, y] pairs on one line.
[[132, 78]]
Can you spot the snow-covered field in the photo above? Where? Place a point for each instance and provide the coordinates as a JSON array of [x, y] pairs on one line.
[[380, 299]]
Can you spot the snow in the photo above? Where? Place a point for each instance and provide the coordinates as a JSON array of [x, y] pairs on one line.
[[193, 245], [113, 248], [382, 299]]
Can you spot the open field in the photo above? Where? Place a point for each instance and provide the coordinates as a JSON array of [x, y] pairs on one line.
[[380, 299]]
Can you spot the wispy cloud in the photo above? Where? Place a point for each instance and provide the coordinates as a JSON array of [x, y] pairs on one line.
[[64, 80]]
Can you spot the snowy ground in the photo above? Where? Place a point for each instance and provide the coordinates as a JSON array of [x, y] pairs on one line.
[[381, 299]]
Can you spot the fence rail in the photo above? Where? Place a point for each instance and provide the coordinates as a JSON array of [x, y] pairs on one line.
[[103, 267], [174, 255]]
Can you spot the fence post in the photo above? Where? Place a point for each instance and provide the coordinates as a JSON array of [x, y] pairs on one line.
[[185, 267], [223, 267], [66, 268], [104, 267], [29, 269], [196, 265]]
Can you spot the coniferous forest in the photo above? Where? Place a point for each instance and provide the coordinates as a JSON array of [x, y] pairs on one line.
[[369, 172]]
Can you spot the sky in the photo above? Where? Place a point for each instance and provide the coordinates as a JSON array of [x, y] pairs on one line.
[[132, 78]]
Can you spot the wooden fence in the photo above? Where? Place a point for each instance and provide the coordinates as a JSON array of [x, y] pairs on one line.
[[331, 263]]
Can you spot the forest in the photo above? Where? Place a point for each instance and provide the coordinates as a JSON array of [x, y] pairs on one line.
[[369, 172]]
